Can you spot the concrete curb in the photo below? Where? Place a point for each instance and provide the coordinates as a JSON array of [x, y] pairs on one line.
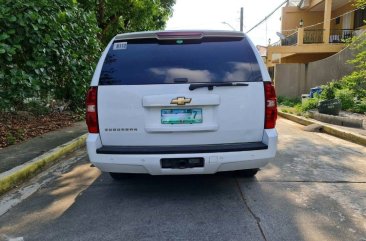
[[345, 135], [21, 173], [337, 120]]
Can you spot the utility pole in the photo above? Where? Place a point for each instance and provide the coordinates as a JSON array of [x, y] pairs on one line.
[[241, 19]]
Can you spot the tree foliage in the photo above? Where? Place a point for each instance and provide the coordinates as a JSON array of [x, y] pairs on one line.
[[360, 3], [118, 16], [48, 49]]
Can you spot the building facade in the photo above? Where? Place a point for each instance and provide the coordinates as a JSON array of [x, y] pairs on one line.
[[312, 30]]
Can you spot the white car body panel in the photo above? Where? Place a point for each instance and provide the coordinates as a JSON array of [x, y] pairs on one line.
[[231, 115], [214, 162]]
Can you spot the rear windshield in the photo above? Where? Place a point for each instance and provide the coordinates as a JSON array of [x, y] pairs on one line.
[[209, 60]]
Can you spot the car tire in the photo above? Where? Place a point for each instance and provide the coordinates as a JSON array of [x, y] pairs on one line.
[[119, 176], [247, 173]]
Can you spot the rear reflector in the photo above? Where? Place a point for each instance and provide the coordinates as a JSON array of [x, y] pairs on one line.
[[179, 35], [91, 110], [271, 106]]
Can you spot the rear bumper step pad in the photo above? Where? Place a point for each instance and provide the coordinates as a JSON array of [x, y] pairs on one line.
[[212, 148]]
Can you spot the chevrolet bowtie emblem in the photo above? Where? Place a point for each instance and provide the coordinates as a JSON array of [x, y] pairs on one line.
[[181, 101]]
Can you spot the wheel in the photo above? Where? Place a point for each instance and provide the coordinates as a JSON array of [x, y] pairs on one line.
[[248, 173], [119, 176]]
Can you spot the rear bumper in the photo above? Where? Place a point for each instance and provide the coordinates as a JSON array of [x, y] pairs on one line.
[[142, 150], [217, 158]]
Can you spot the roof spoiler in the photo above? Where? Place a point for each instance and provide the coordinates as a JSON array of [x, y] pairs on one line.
[[180, 34]]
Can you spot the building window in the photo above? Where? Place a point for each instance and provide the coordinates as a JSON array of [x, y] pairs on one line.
[[360, 17], [338, 20]]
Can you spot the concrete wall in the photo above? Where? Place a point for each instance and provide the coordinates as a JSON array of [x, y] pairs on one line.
[[288, 79], [292, 80], [329, 69]]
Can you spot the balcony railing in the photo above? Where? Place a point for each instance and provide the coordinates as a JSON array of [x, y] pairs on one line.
[[288, 40], [313, 36], [341, 35]]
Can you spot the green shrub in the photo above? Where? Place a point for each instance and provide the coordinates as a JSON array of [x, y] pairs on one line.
[[47, 49], [10, 139], [37, 107], [298, 108], [19, 134], [286, 101], [360, 106], [346, 98], [309, 104], [280, 99], [328, 90], [356, 82]]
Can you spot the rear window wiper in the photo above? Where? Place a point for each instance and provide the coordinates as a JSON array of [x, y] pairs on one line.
[[211, 85]]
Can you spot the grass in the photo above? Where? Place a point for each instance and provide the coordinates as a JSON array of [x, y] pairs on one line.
[[289, 102], [296, 106], [290, 110]]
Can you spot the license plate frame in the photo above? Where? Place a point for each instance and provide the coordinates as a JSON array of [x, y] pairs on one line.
[[178, 116]]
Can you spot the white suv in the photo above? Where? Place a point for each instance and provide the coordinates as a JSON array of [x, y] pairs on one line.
[[181, 102]]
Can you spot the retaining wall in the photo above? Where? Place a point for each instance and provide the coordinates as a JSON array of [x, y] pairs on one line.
[[292, 80]]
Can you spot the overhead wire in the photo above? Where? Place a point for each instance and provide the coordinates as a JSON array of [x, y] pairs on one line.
[[269, 15], [295, 29], [310, 26]]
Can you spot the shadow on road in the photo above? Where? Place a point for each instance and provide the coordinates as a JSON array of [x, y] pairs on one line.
[[314, 190], [139, 208]]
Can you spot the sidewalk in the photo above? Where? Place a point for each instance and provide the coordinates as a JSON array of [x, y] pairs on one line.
[[356, 135], [19, 154], [348, 129]]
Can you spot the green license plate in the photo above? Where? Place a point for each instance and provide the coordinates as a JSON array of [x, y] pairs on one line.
[[181, 116]]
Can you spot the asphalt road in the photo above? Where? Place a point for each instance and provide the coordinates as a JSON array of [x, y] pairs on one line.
[[315, 189]]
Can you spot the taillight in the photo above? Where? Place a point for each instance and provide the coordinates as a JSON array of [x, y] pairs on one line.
[[91, 110], [271, 106], [179, 35]]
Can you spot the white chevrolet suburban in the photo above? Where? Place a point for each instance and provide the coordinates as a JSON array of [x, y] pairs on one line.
[[181, 102]]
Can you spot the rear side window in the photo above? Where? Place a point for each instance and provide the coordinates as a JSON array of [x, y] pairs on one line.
[[209, 60]]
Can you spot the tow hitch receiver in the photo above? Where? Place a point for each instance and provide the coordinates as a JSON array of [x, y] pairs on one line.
[[182, 163]]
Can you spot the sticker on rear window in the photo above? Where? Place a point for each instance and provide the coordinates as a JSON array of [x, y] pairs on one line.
[[120, 45]]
